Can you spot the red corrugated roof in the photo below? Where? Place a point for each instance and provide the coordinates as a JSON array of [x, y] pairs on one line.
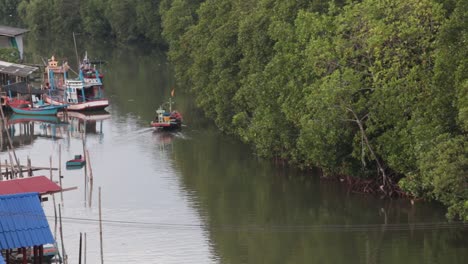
[[40, 184]]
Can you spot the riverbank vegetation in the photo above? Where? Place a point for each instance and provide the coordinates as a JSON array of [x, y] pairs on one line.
[[376, 90]]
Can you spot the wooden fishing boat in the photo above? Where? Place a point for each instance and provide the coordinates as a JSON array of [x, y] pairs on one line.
[[91, 75], [167, 120], [82, 94], [77, 163], [26, 108]]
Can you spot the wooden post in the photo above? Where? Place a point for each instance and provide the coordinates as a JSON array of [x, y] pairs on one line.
[[6, 170], [55, 217], [11, 164], [86, 157], [30, 172], [100, 226], [60, 162], [79, 256], [25, 257], [41, 253], [60, 180], [61, 236], [85, 248], [20, 170], [34, 254], [91, 178]]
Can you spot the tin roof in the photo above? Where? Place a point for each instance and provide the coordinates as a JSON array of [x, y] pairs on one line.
[[23, 222], [40, 184], [16, 69], [11, 31]]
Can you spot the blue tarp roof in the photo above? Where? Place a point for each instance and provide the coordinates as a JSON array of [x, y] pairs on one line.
[[23, 222], [2, 261]]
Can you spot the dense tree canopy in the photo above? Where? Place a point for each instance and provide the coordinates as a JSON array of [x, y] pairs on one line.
[[374, 89]]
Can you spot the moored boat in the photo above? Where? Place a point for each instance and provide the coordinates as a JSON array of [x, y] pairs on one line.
[[91, 75], [77, 163], [26, 108], [78, 94]]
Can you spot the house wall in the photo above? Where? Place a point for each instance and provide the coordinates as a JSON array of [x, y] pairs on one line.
[[5, 42], [19, 42]]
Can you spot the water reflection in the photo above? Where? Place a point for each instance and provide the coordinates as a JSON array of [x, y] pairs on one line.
[[24, 129], [89, 123]]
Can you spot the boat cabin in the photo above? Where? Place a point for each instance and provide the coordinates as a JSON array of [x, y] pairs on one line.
[[55, 75]]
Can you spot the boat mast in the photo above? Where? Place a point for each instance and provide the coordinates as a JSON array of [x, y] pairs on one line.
[[76, 51]]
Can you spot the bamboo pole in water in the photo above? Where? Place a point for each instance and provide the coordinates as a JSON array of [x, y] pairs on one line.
[[60, 161], [55, 205], [61, 236], [84, 248], [100, 226], [11, 164], [79, 256], [91, 178], [20, 171], [6, 169], [60, 180], [30, 172], [85, 168]]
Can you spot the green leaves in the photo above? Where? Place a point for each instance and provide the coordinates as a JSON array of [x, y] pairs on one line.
[[9, 54]]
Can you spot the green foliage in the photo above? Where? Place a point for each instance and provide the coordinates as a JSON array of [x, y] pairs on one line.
[[94, 22], [443, 175], [177, 17], [348, 86], [9, 13], [124, 20], [149, 20], [38, 15], [9, 54]]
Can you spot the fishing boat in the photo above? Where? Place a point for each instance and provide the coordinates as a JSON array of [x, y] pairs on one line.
[[77, 163], [24, 107], [167, 120], [78, 94], [91, 75]]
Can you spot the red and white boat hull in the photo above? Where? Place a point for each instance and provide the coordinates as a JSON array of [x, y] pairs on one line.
[[83, 106]]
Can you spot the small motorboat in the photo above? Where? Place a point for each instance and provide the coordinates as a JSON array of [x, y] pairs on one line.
[[77, 163], [167, 120]]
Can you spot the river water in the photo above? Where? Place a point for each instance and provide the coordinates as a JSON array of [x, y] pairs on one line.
[[198, 196]]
